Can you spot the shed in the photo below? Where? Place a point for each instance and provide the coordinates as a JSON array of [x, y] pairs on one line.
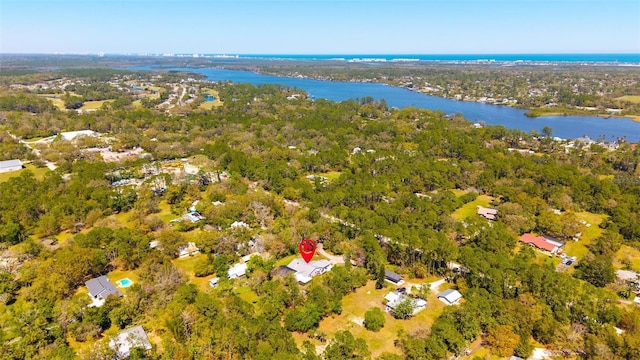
[[10, 165], [450, 297], [393, 277]]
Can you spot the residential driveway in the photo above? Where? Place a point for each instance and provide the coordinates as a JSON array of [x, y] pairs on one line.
[[334, 259]]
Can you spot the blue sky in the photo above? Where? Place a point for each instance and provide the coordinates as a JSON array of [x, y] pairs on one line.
[[320, 26]]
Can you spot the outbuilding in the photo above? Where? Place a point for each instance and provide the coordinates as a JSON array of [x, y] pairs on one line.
[[10, 165], [450, 297]]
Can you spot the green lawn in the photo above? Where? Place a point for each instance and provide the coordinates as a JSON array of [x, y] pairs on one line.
[[93, 105], [38, 172], [630, 98], [579, 248], [627, 253], [331, 175], [470, 209]]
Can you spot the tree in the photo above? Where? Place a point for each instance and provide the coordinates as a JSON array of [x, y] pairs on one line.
[[547, 131], [345, 346], [404, 309], [374, 319], [502, 339]]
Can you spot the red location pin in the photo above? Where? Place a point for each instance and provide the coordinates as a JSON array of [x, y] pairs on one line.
[[307, 249]]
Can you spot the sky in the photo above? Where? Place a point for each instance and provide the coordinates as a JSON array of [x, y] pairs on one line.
[[320, 26]]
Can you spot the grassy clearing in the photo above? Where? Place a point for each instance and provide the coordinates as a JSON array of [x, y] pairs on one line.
[[93, 105], [458, 192], [469, 209], [630, 98], [331, 175], [165, 212], [627, 254], [55, 99], [246, 294], [355, 305], [38, 172], [208, 105], [580, 248]]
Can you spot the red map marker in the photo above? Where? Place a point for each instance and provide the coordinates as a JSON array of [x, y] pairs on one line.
[[307, 249]]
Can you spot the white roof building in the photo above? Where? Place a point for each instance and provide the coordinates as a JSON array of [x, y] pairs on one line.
[[237, 270], [10, 165], [129, 339], [305, 271], [71, 135], [450, 297]]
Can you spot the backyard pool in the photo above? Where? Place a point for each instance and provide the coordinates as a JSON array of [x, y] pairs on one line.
[[126, 282]]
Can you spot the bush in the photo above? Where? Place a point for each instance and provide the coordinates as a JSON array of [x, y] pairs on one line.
[[374, 319]]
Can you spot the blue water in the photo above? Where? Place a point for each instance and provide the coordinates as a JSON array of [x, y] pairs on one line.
[[578, 58], [209, 98], [567, 127], [126, 282]]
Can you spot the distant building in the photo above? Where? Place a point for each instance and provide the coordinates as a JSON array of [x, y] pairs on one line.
[[10, 165], [450, 297], [71, 135], [487, 213], [128, 340]]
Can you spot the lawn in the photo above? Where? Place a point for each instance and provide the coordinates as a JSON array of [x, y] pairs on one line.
[[630, 98], [38, 172], [470, 209], [627, 253], [458, 192], [165, 212], [55, 99], [580, 248], [356, 304], [331, 175], [93, 105]]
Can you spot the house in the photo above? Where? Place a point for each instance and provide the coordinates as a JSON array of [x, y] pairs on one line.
[[129, 339], [394, 298], [10, 165], [628, 277], [487, 213], [188, 250], [450, 297], [71, 135], [540, 243], [393, 278], [237, 270], [100, 288], [239, 224], [305, 271]]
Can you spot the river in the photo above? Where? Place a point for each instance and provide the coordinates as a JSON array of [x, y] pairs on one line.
[[566, 127]]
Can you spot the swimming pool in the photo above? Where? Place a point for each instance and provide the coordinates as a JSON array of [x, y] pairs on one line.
[[126, 282]]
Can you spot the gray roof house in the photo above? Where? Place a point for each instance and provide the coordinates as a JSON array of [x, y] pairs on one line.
[[305, 271], [450, 296], [101, 287], [393, 277], [126, 340], [10, 165]]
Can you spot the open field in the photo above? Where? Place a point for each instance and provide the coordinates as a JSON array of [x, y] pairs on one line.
[[580, 248], [627, 254], [38, 172], [356, 304], [470, 209], [93, 105], [55, 99], [630, 98]]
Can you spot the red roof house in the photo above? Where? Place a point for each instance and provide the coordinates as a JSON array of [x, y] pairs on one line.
[[539, 242]]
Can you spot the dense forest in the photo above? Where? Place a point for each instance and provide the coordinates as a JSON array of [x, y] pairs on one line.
[[382, 188]]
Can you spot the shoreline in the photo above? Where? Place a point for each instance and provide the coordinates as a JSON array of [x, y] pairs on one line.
[[531, 113]]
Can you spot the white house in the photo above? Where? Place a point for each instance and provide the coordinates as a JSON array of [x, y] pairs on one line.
[[129, 339], [305, 271], [213, 282], [10, 165], [394, 298], [188, 250], [450, 297], [237, 270], [71, 135]]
